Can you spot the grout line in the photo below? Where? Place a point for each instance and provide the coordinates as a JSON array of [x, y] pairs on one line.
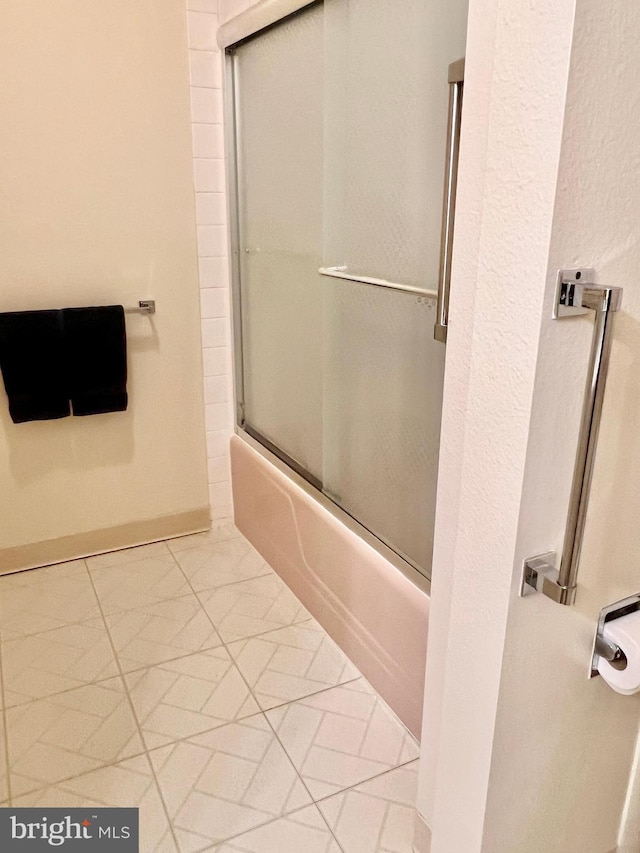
[[284, 814], [5, 734], [190, 738], [342, 790], [144, 666], [135, 717], [286, 751], [268, 823], [309, 695], [22, 637], [46, 696], [42, 785], [362, 782], [224, 644], [371, 779], [147, 751], [337, 821], [231, 583], [217, 542], [263, 712]]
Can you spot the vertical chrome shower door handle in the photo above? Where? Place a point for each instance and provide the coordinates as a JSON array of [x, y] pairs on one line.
[[456, 85]]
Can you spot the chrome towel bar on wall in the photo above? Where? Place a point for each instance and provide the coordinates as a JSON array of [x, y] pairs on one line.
[[576, 295]]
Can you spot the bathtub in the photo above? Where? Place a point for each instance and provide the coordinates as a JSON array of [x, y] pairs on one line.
[[374, 612]]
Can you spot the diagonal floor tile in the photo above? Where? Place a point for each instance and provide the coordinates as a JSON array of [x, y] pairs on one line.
[[220, 532], [129, 585], [70, 733], [252, 607], [187, 696], [128, 555], [41, 599], [128, 784], [161, 631], [377, 816], [60, 659], [226, 782], [290, 663], [300, 832], [342, 737], [222, 563]]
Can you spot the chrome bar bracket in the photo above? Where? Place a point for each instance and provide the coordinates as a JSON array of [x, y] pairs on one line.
[[604, 648], [145, 306], [535, 570], [569, 289], [575, 295]]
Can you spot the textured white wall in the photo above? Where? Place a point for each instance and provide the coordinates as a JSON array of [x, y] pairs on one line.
[[530, 754], [591, 729], [517, 64]]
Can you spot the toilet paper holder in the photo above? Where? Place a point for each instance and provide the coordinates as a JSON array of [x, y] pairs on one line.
[[604, 648]]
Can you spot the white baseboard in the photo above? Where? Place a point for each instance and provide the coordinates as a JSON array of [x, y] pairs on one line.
[[80, 545]]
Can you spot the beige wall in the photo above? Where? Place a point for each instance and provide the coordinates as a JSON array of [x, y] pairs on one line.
[[97, 207]]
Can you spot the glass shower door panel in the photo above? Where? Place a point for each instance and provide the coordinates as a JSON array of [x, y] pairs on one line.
[[279, 113], [386, 122], [382, 406]]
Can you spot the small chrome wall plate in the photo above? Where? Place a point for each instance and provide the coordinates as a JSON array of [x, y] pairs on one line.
[[568, 296]]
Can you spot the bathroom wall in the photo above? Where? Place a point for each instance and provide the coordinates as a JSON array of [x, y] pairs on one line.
[[205, 68], [531, 752], [593, 730], [97, 207], [230, 8]]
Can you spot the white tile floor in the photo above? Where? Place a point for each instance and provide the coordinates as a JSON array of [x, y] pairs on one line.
[[185, 678]]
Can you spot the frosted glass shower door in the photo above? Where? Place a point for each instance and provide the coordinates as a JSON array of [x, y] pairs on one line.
[[340, 127], [279, 115], [382, 406], [386, 107]]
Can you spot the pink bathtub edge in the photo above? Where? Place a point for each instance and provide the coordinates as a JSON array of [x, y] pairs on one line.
[[377, 616]]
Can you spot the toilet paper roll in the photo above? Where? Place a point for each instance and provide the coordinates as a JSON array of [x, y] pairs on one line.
[[625, 632]]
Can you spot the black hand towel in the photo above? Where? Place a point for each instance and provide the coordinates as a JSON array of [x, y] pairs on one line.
[[32, 363], [96, 346]]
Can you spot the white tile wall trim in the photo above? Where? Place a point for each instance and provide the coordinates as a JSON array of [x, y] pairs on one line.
[[205, 75]]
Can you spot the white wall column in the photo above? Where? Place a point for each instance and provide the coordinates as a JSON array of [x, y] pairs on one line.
[[516, 75], [523, 752]]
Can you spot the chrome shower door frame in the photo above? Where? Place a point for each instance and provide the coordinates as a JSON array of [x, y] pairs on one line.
[[230, 36]]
